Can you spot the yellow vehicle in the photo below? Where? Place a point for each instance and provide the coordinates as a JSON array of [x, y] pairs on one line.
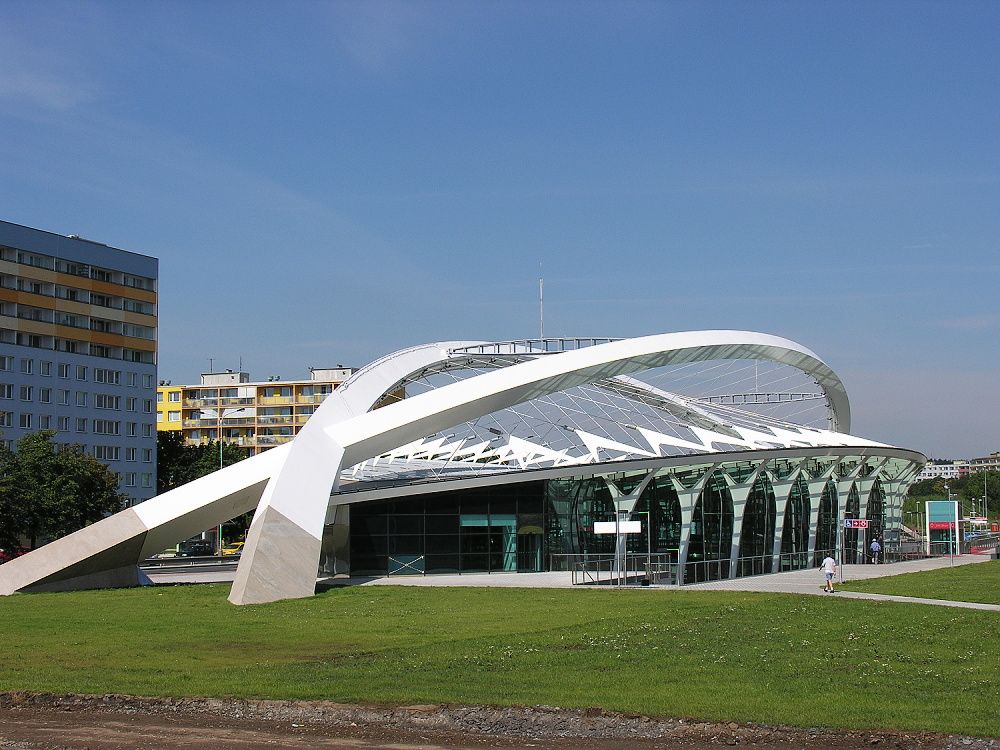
[[232, 549]]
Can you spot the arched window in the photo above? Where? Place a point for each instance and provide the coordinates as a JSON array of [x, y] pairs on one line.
[[851, 536], [827, 525], [875, 513], [795, 532], [659, 500], [757, 535], [711, 533]]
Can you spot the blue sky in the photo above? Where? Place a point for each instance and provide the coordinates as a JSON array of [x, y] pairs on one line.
[[326, 182]]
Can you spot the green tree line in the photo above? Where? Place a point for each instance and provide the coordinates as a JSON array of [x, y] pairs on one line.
[[968, 490]]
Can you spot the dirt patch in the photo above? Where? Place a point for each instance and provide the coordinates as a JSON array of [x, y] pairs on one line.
[[115, 722]]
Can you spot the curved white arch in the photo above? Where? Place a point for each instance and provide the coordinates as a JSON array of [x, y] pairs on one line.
[[282, 551]]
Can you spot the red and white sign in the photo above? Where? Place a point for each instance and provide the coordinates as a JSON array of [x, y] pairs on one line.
[[855, 523], [939, 525]]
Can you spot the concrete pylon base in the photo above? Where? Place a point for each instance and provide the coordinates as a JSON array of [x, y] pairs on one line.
[[281, 563]]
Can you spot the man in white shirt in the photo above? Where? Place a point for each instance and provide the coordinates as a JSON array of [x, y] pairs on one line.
[[829, 568]]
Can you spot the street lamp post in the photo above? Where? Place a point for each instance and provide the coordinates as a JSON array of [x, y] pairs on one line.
[[221, 414]]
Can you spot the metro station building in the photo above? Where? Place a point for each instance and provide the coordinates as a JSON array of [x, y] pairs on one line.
[[732, 449]]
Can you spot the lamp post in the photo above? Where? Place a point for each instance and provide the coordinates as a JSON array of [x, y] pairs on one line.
[[221, 414]]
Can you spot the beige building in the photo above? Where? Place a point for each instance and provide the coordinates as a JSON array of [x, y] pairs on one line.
[[257, 415]]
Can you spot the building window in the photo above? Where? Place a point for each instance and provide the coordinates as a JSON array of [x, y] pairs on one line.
[[132, 379], [147, 455], [63, 397], [63, 370], [45, 422], [107, 427], [81, 398], [147, 480], [45, 396], [26, 393], [147, 430], [110, 377], [147, 405], [159, 397], [147, 381], [6, 390], [81, 372], [25, 421], [130, 455], [132, 429], [64, 423], [174, 396], [159, 417], [107, 401], [81, 424], [174, 416], [130, 479], [6, 419], [27, 365], [106, 452], [46, 369], [6, 363], [130, 403]]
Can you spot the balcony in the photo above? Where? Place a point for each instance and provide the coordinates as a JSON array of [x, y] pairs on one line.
[[276, 419], [268, 440], [270, 400], [315, 398]]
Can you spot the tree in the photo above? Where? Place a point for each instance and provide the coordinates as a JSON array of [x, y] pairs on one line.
[[178, 463], [49, 491], [10, 534]]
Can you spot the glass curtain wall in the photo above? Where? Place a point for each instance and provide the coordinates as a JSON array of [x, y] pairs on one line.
[[795, 531], [875, 513], [711, 533], [827, 525], [495, 529], [756, 554], [851, 536], [659, 509]]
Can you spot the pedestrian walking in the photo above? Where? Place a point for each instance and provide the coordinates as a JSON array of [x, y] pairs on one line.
[[829, 568]]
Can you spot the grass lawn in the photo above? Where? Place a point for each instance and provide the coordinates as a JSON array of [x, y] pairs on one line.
[[799, 660], [977, 582]]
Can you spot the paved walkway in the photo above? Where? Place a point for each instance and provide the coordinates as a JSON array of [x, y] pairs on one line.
[[793, 582]]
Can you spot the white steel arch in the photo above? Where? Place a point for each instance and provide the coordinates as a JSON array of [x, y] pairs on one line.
[[282, 552]]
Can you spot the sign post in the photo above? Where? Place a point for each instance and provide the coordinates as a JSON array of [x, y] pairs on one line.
[[850, 523]]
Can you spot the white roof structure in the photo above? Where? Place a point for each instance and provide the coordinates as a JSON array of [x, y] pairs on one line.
[[474, 410]]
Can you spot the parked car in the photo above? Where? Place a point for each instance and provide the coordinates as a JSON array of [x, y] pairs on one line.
[[232, 549], [11, 553], [196, 548]]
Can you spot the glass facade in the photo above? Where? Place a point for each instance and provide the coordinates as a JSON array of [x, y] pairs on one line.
[[549, 524], [493, 529], [757, 537]]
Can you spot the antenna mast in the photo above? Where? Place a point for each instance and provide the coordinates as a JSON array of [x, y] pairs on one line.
[[541, 308]]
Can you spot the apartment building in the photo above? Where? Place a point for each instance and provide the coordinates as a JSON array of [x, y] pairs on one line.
[[78, 348], [257, 415], [943, 470], [985, 463]]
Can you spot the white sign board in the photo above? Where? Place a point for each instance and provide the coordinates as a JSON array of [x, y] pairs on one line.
[[622, 527]]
